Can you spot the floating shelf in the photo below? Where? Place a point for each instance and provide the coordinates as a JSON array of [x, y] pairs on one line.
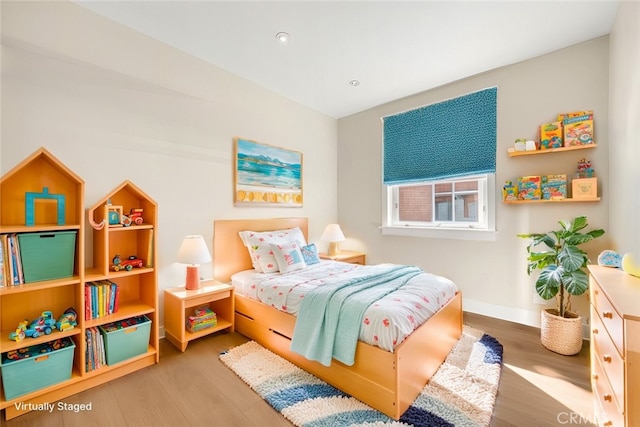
[[517, 202], [513, 153]]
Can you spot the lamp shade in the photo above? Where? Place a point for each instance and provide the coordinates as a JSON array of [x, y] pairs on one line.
[[332, 233], [193, 251]]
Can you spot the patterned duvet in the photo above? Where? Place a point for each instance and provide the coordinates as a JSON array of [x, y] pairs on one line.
[[385, 324]]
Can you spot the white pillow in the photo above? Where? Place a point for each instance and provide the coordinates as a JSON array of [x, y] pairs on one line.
[[257, 242], [288, 256], [267, 262]]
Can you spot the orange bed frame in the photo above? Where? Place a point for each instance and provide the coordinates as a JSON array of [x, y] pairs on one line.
[[388, 382]]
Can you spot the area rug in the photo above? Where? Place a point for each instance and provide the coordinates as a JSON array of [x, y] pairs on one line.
[[461, 393]]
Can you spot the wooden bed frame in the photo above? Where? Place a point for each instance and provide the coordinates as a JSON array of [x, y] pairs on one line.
[[388, 382]]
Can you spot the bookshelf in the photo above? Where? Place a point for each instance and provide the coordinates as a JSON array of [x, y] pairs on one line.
[[29, 300], [138, 286]]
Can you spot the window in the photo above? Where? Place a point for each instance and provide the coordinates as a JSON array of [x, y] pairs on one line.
[[456, 208], [447, 203], [439, 166]]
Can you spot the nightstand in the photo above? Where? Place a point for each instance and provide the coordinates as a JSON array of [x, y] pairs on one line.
[[352, 257], [180, 303]]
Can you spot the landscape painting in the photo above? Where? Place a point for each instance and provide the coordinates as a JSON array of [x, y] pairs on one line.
[[266, 175]]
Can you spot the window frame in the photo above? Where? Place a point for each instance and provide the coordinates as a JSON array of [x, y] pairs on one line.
[[484, 229]]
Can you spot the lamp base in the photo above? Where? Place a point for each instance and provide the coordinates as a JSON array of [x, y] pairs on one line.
[[193, 278], [333, 249]]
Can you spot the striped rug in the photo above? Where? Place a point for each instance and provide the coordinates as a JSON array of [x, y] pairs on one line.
[[461, 393]]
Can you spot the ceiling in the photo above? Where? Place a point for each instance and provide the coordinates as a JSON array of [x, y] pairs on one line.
[[393, 48]]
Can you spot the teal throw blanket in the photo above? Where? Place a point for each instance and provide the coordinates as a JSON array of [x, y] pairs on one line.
[[329, 318]]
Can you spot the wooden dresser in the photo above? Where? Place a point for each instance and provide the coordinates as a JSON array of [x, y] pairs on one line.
[[615, 346]]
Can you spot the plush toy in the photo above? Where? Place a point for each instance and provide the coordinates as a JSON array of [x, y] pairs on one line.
[[609, 258], [631, 264]]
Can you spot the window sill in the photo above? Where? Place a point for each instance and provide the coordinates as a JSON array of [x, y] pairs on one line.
[[440, 233]]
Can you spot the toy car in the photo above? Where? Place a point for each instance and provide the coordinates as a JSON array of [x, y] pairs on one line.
[[128, 264], [68, 320], [19, 334], [134, 218], [135, 215], [42, 325]]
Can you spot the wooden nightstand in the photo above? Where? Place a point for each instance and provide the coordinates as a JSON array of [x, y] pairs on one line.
[[177, 302], [352, 257]]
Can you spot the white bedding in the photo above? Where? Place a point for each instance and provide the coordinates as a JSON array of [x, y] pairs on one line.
[[385, 324]]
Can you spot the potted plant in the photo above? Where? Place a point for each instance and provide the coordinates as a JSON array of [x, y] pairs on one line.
[[562, 275]]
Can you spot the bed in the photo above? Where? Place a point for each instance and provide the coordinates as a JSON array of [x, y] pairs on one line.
[[387, 381]]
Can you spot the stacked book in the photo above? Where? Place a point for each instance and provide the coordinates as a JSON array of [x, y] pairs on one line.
[[10, 263], [203, 318], [101, 299], [95, 357]]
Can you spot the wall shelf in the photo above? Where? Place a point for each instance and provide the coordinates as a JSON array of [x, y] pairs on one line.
[[513, 153], [518, 202]]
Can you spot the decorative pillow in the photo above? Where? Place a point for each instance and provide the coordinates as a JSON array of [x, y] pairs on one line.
[[310, 254], [288, 256], [267, 262], [257, 242]]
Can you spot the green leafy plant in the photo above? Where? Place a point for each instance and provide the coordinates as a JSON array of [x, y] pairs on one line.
[[562, 263]]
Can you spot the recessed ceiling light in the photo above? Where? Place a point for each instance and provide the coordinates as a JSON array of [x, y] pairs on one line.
[[354, 83], [282, 37]]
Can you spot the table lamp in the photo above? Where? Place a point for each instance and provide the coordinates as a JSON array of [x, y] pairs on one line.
[[333, 234], [193, 252]]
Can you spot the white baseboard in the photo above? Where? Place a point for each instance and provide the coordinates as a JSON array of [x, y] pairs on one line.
[[517, 315]]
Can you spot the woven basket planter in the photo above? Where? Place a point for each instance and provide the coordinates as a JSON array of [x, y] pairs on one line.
[[561, 335]]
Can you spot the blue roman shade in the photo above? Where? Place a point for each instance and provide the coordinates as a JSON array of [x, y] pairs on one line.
[[449, 139]]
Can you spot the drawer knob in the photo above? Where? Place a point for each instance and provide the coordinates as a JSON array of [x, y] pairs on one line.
[[607, 423], [607, 398], [595, 331], [595, 377], [606, 358], [607, 315]]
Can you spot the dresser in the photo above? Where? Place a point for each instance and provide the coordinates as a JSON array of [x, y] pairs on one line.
[[615, 346]]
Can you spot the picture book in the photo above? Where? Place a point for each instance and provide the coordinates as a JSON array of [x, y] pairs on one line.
[[529, 188]]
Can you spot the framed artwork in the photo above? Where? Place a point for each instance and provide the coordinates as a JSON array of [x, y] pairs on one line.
[[266, 175]]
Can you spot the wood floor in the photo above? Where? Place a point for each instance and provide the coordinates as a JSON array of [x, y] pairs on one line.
[[537, 388]]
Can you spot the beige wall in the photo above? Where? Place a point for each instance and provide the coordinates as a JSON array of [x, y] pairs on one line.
[[492, 275], [113, 104], [624, 128]]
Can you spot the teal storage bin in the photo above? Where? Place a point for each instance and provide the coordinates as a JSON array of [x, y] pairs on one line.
[[126, 338], [47, 364], [47, 256]]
